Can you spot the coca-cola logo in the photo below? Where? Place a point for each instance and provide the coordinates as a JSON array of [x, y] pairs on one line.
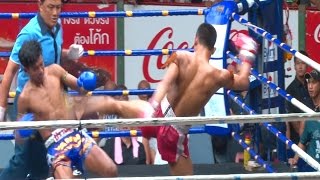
[[166, 34], [316, 34]]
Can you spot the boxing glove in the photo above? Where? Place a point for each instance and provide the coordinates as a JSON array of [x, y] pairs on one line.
[[24, 133], [75, 51], [246, 46], [87, 80], [2, 113]]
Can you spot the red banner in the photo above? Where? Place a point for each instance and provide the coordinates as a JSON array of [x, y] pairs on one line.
[[92, 33], [313, 35]]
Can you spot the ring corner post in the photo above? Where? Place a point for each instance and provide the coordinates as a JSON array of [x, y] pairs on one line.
[[301, 24], [120, 44]]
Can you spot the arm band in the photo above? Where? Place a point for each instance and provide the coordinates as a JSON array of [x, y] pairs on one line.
[[64, 77]]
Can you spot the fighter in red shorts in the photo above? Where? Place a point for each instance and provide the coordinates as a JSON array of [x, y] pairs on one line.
[[187, 86], [172, 141]]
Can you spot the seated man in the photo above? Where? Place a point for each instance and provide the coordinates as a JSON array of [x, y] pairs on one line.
[[125, 150], [44, 96]]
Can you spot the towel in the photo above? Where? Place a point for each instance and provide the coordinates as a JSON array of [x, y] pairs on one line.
[[118, 158]]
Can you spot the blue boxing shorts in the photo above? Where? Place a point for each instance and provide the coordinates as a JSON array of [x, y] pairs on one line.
[[68, 147]]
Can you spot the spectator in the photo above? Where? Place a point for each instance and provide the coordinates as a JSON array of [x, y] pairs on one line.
[[110, 85], [125, 150], [143, 84], [315, 3], [310, 138], [297, 89], [243, 6], [123, 97]]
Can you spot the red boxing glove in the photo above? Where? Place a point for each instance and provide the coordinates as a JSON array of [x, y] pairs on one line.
[[246, 46]]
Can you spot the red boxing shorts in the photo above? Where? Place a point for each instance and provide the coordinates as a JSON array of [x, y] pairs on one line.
[[172, 140]]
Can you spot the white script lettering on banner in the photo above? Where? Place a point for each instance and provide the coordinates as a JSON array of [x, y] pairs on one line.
[[71, 21], [164, 35], [95, 37], [316, 34], [96, 20]]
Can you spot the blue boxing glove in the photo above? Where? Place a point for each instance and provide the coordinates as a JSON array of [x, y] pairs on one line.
[[24, 133], [87, 80]]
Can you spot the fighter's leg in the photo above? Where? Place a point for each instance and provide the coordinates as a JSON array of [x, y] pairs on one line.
[[146, 145], [98, 162], [124, 109], [173, 147], [62, 170], [182, 167]]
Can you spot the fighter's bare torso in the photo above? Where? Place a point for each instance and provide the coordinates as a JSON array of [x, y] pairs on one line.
[[47, 101], [196, 83]]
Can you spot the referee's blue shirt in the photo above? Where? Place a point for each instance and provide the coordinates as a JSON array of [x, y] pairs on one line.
[[36, 29]]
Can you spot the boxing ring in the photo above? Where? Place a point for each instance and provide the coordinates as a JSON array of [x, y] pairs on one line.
[[253, 117]]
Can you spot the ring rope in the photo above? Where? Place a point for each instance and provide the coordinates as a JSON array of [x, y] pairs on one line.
[[197, 120], [133, 133], [280, 44], [273, 86], [5, 54], [307, 158], [137, 53], [127, 52], [264, 176], [118, 133], [12, 94], [252, 152], [115, 14]]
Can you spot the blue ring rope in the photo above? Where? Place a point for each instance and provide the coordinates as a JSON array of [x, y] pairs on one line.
[[272, 129], [112, 92], [252, 152], [114, 14], [273, 86], [263, 33], [128, 52], [116, 92], [278, 42], [119, 133], [120, 92]]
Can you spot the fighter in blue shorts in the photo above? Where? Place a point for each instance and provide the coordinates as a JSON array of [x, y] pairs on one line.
[[44, 96], [68, 147]]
